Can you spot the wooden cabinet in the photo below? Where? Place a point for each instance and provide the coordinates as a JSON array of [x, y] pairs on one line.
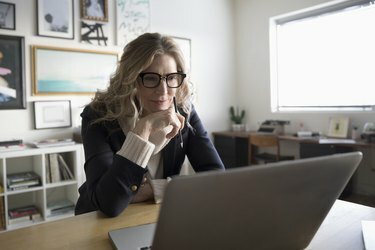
[[46, 192]]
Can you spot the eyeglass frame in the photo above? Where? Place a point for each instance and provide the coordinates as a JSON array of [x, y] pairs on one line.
[[161, 77]]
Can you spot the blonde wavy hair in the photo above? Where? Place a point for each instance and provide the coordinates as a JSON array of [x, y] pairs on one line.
[[119, 99]]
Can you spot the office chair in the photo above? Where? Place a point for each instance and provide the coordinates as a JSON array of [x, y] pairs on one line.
[[265, 141]]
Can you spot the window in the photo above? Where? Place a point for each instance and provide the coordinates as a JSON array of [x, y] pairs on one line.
[[323, 58]]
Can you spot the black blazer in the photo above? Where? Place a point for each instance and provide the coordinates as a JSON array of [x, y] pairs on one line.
[[109, 176]]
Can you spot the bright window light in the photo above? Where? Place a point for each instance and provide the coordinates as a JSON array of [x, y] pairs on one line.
[[323, 58]]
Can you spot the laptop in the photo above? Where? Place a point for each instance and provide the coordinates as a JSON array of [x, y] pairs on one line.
[[274, 206]]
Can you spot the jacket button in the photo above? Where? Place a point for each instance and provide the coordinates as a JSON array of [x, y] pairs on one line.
[[134, 188]]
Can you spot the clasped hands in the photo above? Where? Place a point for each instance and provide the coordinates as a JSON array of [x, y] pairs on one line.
[[158, 121]]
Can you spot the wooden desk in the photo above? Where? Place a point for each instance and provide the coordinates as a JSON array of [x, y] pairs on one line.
[[86, 231], [233, 146], [340, 230]]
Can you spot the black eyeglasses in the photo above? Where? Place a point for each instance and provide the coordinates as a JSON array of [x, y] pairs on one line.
[[152, 80]]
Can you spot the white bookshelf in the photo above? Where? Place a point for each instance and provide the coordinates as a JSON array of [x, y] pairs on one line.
[[33, 159]]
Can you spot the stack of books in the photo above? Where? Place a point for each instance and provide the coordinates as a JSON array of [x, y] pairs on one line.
[[57, 169], [22, 180], [60, 207], [11, 145], [53, 143], [24, 214]]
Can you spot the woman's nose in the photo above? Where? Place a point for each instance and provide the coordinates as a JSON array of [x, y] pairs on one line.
[[163, 87]]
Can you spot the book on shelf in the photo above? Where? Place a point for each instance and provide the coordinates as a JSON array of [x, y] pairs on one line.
[[11, 142], [23, 211], [24, 214], [59, 207], [52, 143], [22, 180], [2, 213], [54, 168], [12, 221], [57, 169], [12, 148]]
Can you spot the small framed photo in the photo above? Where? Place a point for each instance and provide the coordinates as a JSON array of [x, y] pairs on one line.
[[7, 16], [52, 114], [95, 10], [56, 18], [185, 46], [338, 127]]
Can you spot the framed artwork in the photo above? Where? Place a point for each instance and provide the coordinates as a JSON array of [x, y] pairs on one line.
[[52, 114], [338, 127], [95, 10], [59, 71], [12, 73], [185, 46], [56, 18], [7, 16], [133, 19]]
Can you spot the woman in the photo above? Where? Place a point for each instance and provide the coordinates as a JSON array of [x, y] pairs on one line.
[[132, 133]]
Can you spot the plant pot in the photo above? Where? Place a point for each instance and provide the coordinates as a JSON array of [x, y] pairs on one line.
[[238, 127]]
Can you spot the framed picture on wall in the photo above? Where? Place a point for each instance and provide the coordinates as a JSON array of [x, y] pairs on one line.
[[52, 114], [7, 16], [132, 20], [78, 71], [338, 127], [95, 10], [55, 18], [185, 46], [12, 73]]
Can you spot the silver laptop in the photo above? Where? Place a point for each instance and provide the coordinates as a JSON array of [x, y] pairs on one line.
[[273, 206]]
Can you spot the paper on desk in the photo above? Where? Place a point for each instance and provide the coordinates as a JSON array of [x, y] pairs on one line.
[[368, 231]]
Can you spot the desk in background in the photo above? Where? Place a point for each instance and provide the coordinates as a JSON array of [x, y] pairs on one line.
[[340, 230], [233, 147]]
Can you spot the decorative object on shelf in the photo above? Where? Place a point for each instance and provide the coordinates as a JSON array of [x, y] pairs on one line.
[[52, 143], [95, 10], [12, 76], [56, 18], [7, 16], [368, 132], [338, 127], [52, 114], [236, 117], [133, 19], [79, 71]]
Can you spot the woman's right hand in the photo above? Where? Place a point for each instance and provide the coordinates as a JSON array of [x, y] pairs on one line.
[[158, 121]]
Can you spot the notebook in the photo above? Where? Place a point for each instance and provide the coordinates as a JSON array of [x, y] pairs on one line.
[[273, 206]]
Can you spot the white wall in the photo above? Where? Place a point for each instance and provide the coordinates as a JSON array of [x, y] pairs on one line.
[[209, 24], [253, 71]]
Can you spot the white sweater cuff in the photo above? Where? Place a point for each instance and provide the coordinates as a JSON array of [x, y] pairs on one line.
[[136, 149]]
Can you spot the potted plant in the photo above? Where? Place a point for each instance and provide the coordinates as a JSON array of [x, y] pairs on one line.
[[236, 117]]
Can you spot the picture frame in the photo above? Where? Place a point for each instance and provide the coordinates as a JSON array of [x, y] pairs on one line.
[[12, 72], [55, 18], [133, 18], [52, 114], [338, 127], [185, 46], [94, 10], [80, 72], [7, 16]]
